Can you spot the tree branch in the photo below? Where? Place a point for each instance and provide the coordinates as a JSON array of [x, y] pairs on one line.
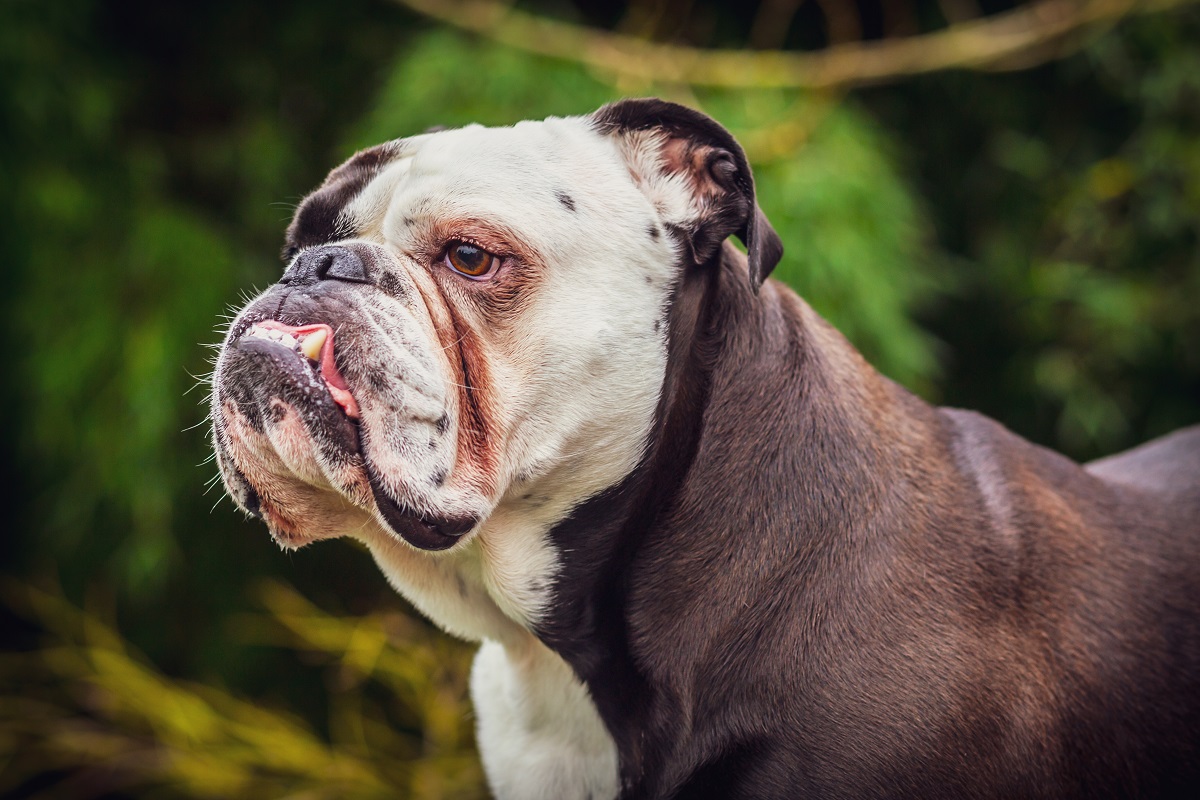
[[1031, 34]]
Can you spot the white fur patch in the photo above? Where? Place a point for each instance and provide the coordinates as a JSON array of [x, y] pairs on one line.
[[539, 733]]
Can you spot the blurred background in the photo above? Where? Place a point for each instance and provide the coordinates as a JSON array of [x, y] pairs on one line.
[[998, 202]]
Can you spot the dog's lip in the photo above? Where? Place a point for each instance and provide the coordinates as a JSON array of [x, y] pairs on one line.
[[419, 530], [339, 390]]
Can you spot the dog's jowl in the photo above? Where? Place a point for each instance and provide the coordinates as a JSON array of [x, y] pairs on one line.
[[706, 549]]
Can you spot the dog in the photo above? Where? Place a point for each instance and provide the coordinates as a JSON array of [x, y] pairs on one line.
[[707, 550]]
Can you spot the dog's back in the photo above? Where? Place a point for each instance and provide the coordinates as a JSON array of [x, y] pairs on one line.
[[1158, 488], [1158, 484], [1167, 466], [1104, 566]]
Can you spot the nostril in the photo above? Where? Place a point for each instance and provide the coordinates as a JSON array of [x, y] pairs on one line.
[[329, 262], [345, 265]]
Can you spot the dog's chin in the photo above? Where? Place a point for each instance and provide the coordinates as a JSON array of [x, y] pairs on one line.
[[423, 531]]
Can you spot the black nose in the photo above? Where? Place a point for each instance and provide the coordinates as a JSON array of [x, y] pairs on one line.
[[329, 262]]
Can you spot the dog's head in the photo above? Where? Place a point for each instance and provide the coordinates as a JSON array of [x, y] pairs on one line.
[[473, 318]]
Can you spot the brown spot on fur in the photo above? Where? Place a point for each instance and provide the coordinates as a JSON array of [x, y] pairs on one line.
[[478, 443], [461, 325]]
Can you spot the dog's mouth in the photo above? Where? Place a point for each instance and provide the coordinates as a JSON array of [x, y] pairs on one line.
[[302, 369], [314, 343]]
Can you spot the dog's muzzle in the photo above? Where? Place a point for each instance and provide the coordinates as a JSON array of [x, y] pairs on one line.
[[281, 357]]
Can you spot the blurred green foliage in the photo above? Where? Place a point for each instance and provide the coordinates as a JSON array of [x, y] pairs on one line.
[[122, 726], [1027, 244], [1068, 199]]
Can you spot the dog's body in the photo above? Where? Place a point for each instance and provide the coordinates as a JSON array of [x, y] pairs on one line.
[[708, 550]]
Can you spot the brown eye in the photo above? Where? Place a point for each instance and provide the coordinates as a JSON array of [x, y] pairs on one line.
[[469, 260]]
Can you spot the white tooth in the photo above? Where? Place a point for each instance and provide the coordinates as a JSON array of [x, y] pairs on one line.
[[312, 344]]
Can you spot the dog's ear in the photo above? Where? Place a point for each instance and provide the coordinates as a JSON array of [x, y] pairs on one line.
[[697, 175]]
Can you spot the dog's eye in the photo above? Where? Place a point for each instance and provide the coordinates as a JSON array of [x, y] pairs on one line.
[[470, 260]]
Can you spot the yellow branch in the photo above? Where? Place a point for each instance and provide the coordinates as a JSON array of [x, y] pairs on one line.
[[1025, 36]]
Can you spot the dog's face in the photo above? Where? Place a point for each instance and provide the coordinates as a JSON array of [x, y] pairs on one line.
[[472, 325]]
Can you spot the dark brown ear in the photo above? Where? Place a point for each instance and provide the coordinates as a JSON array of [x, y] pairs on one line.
[[690, 145]]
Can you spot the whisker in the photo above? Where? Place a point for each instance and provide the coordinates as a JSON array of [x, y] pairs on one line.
[[190, 428]]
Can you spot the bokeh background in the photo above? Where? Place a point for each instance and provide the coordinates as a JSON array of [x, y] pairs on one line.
[[998, 202]]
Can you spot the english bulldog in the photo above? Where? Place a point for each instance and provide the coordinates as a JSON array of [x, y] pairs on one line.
[[706, 549]]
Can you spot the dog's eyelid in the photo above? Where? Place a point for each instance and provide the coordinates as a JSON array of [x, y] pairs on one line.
[[490, 242]]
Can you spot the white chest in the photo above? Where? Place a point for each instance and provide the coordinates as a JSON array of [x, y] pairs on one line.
[[539, 733]]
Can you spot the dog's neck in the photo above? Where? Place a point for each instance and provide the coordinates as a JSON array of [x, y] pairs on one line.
[[733, 355]]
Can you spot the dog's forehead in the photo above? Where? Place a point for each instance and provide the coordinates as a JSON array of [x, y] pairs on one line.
[[523, 156], [532, 164], [531, 146]]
